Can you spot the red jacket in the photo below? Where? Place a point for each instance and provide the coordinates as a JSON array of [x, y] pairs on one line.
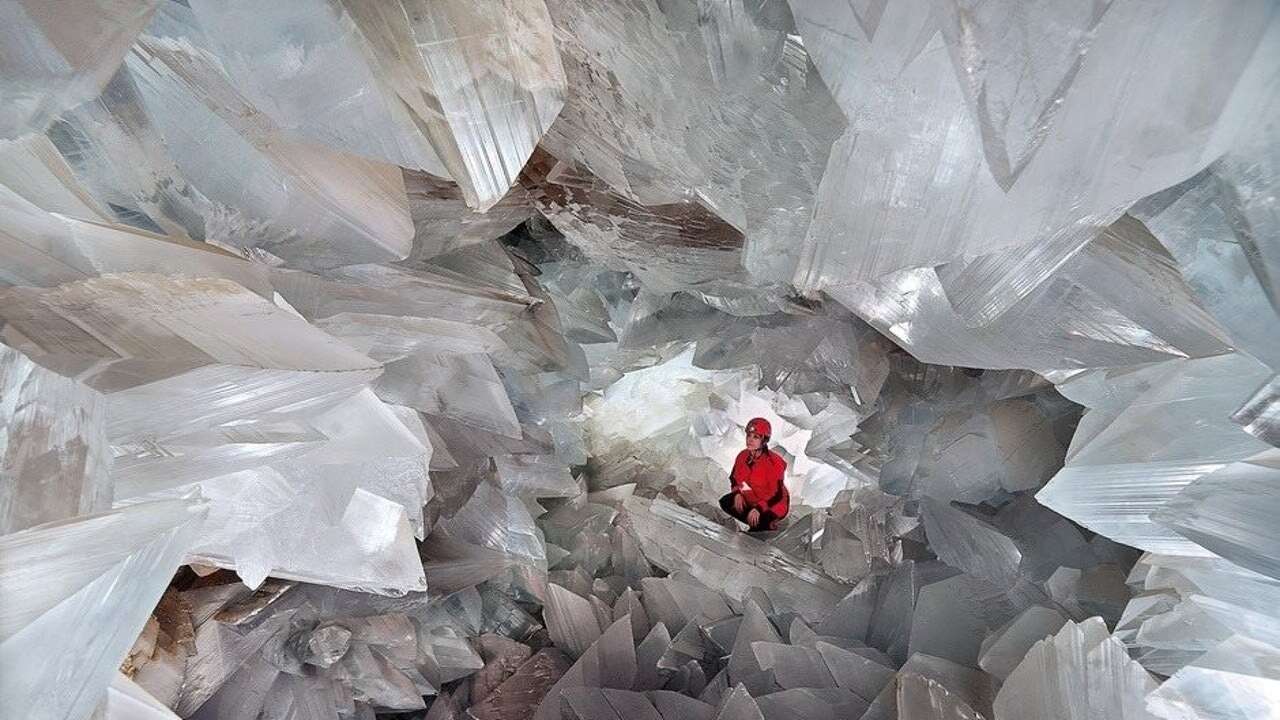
[[761, 483]]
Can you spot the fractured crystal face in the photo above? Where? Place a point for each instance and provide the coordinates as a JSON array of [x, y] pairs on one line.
[[76, 595], [57, 56], [53, 445], [395, 357], [976, 128], [1081, 672], [1146, 450]]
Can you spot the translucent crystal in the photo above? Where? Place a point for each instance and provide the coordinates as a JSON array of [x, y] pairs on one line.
[[443, 222], [969, 544], [186, 342], [53, 445], [677, 540], [1082, 315], [919, 186], [1081, 672], [76, 595], [1260, 415], [44, 249], [1235, 680], [127, 701], [1167, 437], [1004, 649], [570, 621], [1217, 226], [953, 616], [654, 114], [299, 202], [609, 663], [483, 82], [1229, 512], [934, 684], [59, 56]]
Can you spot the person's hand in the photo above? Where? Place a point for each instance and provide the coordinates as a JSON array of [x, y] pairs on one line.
[[738, 503], [753, 517]]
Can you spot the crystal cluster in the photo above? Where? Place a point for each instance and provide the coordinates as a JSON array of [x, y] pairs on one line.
[[389, 359]]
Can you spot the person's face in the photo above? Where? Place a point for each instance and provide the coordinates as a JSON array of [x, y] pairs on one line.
[[754, 441]]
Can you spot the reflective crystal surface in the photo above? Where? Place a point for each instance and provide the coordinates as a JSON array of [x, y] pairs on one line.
[[393, 359]]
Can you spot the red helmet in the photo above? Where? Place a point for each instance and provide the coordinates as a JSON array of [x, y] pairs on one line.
[[760, 426]]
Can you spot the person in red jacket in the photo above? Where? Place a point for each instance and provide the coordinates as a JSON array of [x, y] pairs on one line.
[[758, 495]]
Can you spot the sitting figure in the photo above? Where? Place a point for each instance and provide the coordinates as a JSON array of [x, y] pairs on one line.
[[758, 496]]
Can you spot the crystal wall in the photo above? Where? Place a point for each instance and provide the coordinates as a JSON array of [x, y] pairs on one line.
[[388, 358]]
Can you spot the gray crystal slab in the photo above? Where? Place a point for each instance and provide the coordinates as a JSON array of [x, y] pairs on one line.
[[60, 56], [609, 663], [1260, 415], [953, 616], [1082, 672], [1005, 648], [650, 672], [53, 445], [968, 543], [854, 672], [802, 703], [674, 706], [793, 666], [1230, 511], [77, 593], [925, 698], [931, 679], [582, 703], [851, 617], [1166, 438], [524, 689], [930, 110], [1235, 680], [1098, 591], [677, 540], [738, 703], [570, 620]]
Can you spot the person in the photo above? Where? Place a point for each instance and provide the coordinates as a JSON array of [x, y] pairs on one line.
[[758, 494]]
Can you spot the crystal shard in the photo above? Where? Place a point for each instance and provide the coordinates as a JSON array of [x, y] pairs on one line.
[[570, 621], [967, 543], [1228, 512], [57, 56], [909, 184], [1235, 680], [127, 701], [678, 540], [76, 595], [485, 82], [53, 445], [609, 663], [295, 201], [1260, 415], [1174, 433], [166, 344], [1004, 649], [953, 616], [1081, 672]]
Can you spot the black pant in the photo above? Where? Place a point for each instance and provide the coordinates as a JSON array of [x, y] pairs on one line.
[[767, 518]]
